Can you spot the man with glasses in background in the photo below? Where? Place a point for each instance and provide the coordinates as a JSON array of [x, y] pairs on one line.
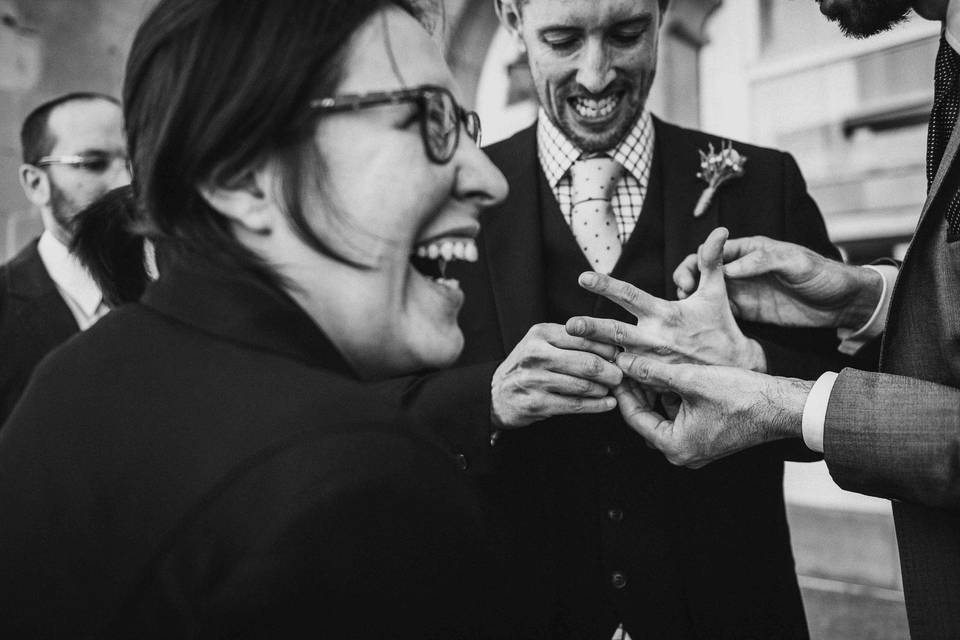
[[73, 152]]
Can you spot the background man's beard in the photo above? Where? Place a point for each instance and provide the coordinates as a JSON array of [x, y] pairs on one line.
[[865, 18], [63, 207]]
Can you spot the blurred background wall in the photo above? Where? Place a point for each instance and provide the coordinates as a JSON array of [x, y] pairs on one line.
[[771, 72]]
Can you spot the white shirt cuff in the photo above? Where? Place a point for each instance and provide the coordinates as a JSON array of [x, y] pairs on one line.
[[852, 341], [815, 411]]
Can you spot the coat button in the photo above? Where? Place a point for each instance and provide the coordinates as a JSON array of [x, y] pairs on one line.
[[618, 579], [462, 462], [615, 515]]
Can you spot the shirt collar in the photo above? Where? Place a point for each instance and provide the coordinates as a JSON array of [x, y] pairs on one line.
[[69, 274], [557, 153], [951, 25]]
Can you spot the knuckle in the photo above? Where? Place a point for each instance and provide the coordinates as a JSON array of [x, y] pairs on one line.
[[536, 406], [593, 366], [619, 336], [540, 330], [629, 293], [640, 369], [582, 387], [662, 350]]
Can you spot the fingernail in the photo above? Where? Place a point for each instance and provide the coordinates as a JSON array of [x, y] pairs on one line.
[[588, 279], [576, 327]]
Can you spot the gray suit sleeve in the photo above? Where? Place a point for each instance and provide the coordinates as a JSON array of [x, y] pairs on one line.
[[894, 437]]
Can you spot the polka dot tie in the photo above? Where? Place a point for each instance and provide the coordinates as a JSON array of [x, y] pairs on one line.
[[592, 220], [946, 106]]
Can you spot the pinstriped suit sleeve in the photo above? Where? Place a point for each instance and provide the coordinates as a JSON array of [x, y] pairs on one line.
[[894, 437]]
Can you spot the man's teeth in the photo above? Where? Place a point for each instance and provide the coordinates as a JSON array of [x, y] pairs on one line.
[[590, 108], [465, 249]]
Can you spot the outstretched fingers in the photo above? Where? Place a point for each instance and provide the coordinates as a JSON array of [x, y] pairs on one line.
[[710, 261], [638, 302], [606, 330]]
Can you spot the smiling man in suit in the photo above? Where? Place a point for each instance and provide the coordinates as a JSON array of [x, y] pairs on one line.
[[893, 434], [616, 541], [73, 152]]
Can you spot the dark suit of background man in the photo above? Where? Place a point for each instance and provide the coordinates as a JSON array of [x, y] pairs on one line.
[[73, 152], [614, 538], [893, 434]]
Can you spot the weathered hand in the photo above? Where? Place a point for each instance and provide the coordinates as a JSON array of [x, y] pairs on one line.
[[700, 329], [789, 285], [722, 410], [551, 373]]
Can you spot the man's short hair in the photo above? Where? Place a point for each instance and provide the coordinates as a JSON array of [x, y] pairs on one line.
[[663, 4], [35, 138]]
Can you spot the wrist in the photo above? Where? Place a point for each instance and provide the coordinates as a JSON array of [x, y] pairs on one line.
[[866, 286], [787, 400]]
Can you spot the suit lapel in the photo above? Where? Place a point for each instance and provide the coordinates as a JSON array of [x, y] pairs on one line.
[[40, 307], [678, 161], [949, 155], [926, 225], [512, 242]]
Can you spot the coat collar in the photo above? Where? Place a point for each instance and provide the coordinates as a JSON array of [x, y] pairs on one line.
[[26, 275], [235, 305]]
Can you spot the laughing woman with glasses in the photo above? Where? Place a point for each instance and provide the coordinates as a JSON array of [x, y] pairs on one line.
[[211, 461]]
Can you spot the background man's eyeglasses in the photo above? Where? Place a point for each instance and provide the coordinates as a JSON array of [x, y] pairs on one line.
[[440, 115], [92, 162]]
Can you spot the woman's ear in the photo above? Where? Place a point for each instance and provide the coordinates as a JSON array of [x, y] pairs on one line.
[[247, 199]]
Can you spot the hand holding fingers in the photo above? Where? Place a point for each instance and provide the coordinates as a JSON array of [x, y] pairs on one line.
[[687, 275], [548, 347], [721, 410], [540, 379]]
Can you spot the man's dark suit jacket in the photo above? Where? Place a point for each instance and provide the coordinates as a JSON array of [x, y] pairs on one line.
[[34, 320], [605, 528], [896, 434], [204, 464]]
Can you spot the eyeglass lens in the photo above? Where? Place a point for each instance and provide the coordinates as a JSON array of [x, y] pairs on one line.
[[97, 163], [442, 124]]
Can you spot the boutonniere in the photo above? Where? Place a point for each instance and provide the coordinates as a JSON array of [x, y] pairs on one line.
[[716, 168]]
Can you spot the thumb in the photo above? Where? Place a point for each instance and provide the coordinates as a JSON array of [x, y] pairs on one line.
[[710, 261], [652, 374]]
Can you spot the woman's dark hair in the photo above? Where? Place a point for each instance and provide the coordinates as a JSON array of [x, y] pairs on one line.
[[104, 242], [213, 87]]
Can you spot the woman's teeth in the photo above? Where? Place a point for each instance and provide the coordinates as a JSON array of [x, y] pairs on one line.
[[431, 258], [590, 108], [449, 250], [450, 283]]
